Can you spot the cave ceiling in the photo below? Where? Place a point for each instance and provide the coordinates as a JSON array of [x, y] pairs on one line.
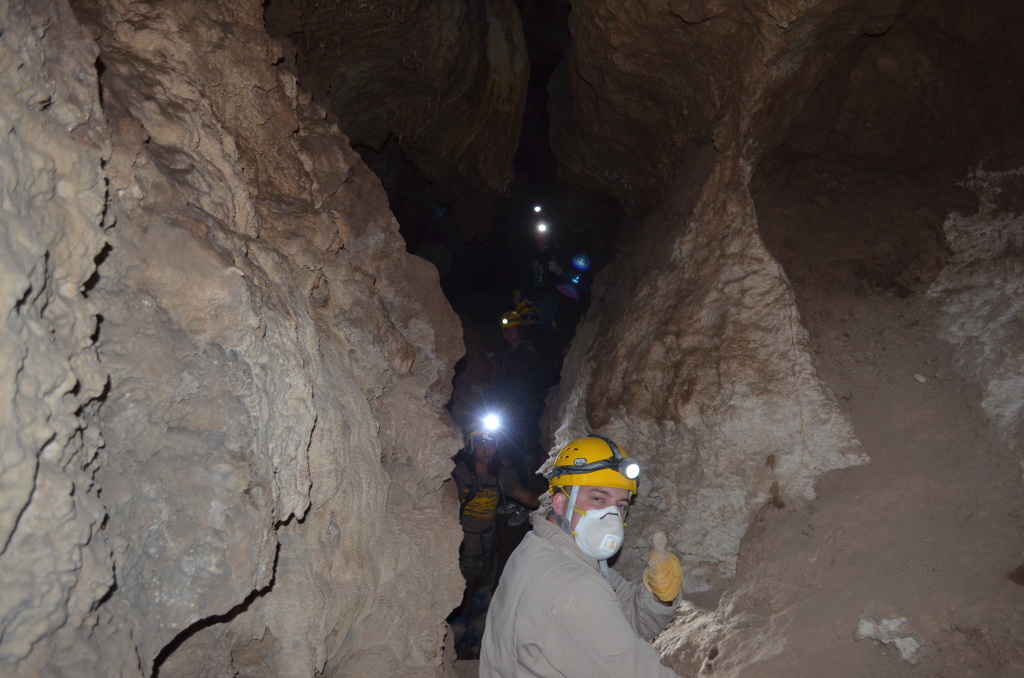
[[471, 111]]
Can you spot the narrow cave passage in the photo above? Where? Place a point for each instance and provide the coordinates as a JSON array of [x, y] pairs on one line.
[[852, 192], [254, 258]]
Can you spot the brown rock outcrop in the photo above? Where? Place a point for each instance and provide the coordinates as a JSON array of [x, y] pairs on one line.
[[446, 79], [694, 359], [694, 354], [259, 486]]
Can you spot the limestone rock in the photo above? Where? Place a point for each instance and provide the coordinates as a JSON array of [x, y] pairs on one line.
[[648, 83], [446, 79], [980, 290], [259, 486], [54, 566], [695, 360]]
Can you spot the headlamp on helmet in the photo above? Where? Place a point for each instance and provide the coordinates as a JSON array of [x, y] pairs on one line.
[[596, 461], [511, 319]]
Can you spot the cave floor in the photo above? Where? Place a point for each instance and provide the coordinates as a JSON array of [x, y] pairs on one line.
[[929, 530]]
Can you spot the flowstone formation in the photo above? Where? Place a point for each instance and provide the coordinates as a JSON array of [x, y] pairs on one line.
[[224, 377]]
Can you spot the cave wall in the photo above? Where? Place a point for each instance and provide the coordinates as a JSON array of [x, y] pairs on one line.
[[693, 352], [694, 358], [446, 81], [224, 377]]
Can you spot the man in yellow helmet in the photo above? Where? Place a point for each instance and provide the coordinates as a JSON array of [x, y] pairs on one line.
[[559, 610]]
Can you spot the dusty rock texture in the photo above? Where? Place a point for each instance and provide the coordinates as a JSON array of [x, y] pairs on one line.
[[239, 470], [696, 361], [982, 294], [695, 356], [447, 80], [54, 565], [921, 543]]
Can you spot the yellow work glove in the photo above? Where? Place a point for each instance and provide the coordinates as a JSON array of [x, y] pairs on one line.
[[664, 575]]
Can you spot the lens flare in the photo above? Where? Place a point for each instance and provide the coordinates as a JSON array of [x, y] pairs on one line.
[[581, 262]]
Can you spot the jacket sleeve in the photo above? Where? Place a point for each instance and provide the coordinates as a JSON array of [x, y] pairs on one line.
[[645, 613], [587, 635]]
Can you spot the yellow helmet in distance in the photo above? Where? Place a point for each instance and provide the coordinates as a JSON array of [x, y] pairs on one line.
[[596, 461], [526, 308], [511, 319]]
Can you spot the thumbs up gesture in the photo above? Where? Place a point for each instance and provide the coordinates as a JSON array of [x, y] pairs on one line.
[[664, 575]]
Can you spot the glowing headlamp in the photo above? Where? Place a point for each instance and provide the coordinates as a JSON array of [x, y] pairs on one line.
[[536, 208], [492, 422], [542, 227]]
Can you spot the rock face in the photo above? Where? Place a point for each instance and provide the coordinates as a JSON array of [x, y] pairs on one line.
[[447, 80], [223, 378], [695, 360], [983, 303], [694, 355]]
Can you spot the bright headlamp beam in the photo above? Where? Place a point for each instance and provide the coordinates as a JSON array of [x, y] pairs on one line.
[[536, 208], [492, 422], [631, 471], [542, 227]]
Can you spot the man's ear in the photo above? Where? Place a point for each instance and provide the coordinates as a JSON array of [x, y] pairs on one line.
[[559, 502]]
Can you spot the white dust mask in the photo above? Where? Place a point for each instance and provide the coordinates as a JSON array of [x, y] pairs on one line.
[[599, 532]]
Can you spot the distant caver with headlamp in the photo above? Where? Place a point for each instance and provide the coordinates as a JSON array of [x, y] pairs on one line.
[[484, 486]]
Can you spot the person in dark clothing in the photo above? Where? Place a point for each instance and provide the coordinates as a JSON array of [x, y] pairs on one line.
[[520, 391], [542, 278], [547, 342], [521, 361]]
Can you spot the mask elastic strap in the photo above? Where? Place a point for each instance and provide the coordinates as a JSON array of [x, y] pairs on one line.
[[566, 523]]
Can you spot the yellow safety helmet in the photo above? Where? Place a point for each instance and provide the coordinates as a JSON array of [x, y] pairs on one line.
[[596, 461], [526, 308], [511, 319]]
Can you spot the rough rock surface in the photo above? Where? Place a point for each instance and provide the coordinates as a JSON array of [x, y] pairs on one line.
[[259, 485], [695, 360], [982, 293], [694, 354], [446, 79], [54, 565], [928, 532]]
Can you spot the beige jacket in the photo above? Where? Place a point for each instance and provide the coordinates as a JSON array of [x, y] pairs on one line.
[[554, 615]]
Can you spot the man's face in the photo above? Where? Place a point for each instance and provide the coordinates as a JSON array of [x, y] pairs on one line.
[[591, 498], [511, 334]]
